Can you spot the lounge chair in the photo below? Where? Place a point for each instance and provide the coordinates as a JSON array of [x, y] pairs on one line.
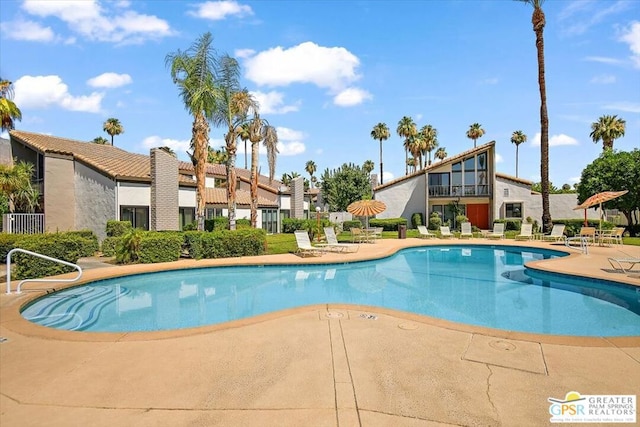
[[333, 244], [557, 233], [498, 231], [304, 245], [445, 232], [587, 234], [357, 235], [616, 263], [612, 236], [425, 233], [525, 232], [465, 228]]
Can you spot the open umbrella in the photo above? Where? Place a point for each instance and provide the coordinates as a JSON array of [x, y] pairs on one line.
[[366, 208], [599, 199]]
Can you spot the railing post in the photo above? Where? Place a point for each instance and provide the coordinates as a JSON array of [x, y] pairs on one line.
[[48, 258]]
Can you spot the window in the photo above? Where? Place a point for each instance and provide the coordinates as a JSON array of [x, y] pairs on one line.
[[187, 216], [220, 182], [137, 215], [210, 213], [270, 220], [456, 179], [439, 184], [513, 210], [506, 192]]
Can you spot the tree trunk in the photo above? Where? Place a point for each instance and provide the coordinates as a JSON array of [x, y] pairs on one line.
[[406, 161], [230, 139], [254, 184], [516, 160], [200, 133], [381, 162]]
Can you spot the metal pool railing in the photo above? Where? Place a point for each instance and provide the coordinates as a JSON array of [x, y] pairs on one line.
[[48, 258]]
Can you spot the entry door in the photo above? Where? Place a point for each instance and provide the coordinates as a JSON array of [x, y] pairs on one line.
[[478, 214]]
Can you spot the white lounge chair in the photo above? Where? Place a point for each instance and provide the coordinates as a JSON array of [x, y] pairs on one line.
[[525, 232], [557, 233], [333, 244], [616, 263], [445, 232], [498, 231], [425, 233], [304, 245], [465, 228]]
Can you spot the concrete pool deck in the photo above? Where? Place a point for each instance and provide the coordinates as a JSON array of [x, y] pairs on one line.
[[333, 365]]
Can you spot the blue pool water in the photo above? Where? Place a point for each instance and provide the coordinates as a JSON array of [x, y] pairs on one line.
[[477, 285]]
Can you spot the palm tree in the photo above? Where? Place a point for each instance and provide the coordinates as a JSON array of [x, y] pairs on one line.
[[9, 112], [100, 140], [406, 128], [518, 137], [381, 133], [538, 21], [270, 142], [475, 131], [368, 166], [193, 71], [168, 150], [244, 136], [415, 145], [113, 127], [411, 164], [430, 137], [15, 185], [441, 153], [233, 106], [607, 129], [311, 168], [218, 157], [255, 133]]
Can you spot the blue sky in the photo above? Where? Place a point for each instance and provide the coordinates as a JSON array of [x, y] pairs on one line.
[[325, 72]]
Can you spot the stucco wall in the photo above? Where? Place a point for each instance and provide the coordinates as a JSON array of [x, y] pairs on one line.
[[518, 193], [59, 193], [95, 196], [403, 199]]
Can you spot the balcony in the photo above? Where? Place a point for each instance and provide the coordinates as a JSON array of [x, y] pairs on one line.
[[458, 191]]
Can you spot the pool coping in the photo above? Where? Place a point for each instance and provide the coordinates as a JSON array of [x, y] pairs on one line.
[[12, 304]]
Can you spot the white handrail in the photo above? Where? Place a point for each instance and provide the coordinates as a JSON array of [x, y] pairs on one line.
[[48, 258], [584, 243]]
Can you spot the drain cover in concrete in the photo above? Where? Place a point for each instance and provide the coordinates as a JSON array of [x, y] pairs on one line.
[[334, 314], [408, 326], [521, 355]]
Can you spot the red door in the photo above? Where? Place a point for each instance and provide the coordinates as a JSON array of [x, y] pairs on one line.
[[478, 214]]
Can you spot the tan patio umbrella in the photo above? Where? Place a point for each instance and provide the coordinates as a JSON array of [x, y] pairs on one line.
[[366, 208], [599, 199]]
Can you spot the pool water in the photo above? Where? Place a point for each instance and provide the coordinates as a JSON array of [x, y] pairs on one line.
[[477, 285]]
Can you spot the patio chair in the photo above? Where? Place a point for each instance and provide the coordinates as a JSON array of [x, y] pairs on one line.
[[425, 233], [498, 231], [557, 234], [304, 245], [616, 263], [333, 244], [612, 236], [465, 228], [357, 235], [525, 232], [445, 232]]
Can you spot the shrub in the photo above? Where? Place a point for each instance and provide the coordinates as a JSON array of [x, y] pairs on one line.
[[416, 219], [7, 242], [348, 225], [291, 225], [573, 225], [160, 247], [64, 246], [92, 246], [225, 243], [435, 221], [128, 248], [117, 228], [190, 226], [459, 220], [510, 224], [388, 224], [109, 246]]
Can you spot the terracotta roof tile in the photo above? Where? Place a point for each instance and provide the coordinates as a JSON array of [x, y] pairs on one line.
[[218, 196]]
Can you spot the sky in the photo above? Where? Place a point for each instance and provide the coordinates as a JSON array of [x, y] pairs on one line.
[[326, 72]]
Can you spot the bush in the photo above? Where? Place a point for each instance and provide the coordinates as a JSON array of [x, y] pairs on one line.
[[573, 226], [191, 226], [459, 220], [92, 246], [160, 247], [388, 224], [225, 243], [348, 225], [435, 221], [291, 225], [7, 242], [109, 246], [128, 247], [416, 220], [510, 224], [117, 228]]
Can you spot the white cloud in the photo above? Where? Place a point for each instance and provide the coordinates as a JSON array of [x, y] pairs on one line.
[[574, 179], [27, 30], [629, 107], [498, 158], [583, 15], [273, 103], [46, 91], [89, 20], [291, 148], [110, 80], [286, 134], [555, 140], [387, 176], [244, 53], [631, 36], [351, 96], [179, 146], [219, 10], [326, 67], [604, 60], [603, 79]]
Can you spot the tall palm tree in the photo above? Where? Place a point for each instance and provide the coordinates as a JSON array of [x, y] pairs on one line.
[[441, 153], [475, 131], [368, 166], [9, 111], [607, 129], [416, 145], [518, 137], [260, 130], [100, 140], [311, 168], [193, 71], [430, 137], [244, 136], [380, 133], [15, 185], [538, 21], [270, 142], [406, 128], [233, 106], [113, 127], [411, 164]]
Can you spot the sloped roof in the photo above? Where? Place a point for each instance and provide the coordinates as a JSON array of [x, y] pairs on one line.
[[513, 178], [434, 165], [218, 196], [243, 174]]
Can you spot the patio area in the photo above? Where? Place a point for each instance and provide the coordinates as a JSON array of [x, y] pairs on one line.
[[328, 365]]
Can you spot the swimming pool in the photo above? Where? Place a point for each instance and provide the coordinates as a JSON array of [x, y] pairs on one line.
[[477, 285]]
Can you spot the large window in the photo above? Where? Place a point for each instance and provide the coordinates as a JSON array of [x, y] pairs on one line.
[[513, 210], [270, 220], [446, 212], [210, 213], [137, 215], [456, 179], [187, 216], [439, 184]]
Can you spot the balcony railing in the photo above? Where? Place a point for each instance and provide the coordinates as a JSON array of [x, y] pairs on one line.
[[458, 190]]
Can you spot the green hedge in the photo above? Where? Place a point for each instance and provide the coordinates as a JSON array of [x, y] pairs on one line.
[[109, 246], [117, 228], [7, 242], [92, 246], [417, 219], [389, 224], [160, 247], [348, 225], [510, 224], [573, 226], [225, 243]]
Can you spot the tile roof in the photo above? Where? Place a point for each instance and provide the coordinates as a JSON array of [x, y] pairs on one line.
[[513, 178], [243, 174], [218, 196]]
